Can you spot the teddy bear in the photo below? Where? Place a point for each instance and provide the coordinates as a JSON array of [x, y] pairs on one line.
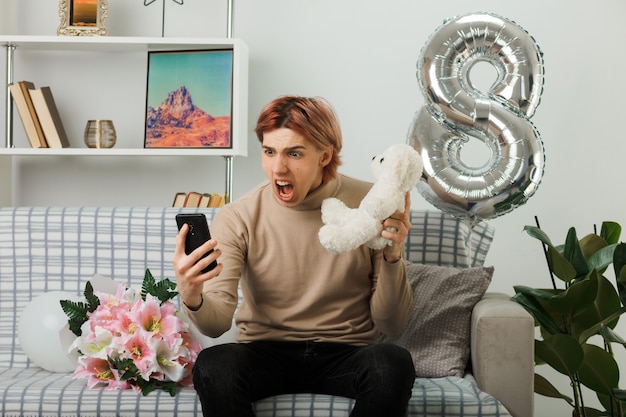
[[397, 170]]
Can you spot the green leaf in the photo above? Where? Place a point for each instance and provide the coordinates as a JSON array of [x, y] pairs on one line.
[[619, 267], [610, 232], [539, 234], [74, 309], [78, 311], [92, 300], [604, 305], [572, 251], [148, 284], [562, 352], [599, 371], [557, 263], [596, 328], [601, 258], [126, 367], [560, 266], [610, 336], [605, 401], [592, 412], [591, 243], [545, 388], [163, 290], [169, 387], [146, 387], [528, 298], [577, 297]]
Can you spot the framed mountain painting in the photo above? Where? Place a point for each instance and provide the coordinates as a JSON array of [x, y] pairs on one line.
[[189, 99]]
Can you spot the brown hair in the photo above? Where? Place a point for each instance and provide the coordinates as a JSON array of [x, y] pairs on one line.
[[311, 117]]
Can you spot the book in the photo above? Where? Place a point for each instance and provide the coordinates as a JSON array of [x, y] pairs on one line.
[[217, 200], [49, 117], [26, 86], [193, 199], [179, 200], [28, 115], [204, 200]]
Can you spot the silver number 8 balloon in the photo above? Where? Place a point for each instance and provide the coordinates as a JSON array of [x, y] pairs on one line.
[[456, 112]]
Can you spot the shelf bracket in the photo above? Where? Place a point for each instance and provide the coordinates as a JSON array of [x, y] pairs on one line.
[[229, 177], [229, 19], [9, 99]]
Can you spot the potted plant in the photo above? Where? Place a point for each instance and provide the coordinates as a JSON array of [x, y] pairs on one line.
[[577, 317]]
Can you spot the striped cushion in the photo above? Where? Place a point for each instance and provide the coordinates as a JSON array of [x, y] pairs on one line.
[[439, 239], [35, 392], [46, 249]]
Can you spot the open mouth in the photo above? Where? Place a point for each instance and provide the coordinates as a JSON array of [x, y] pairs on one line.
[[285, 189]]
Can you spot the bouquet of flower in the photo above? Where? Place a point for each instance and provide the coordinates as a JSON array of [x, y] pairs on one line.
[[132, 339]]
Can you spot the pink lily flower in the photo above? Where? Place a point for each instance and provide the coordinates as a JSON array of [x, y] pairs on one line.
[[159, 319], [99, 371], [141, 352]]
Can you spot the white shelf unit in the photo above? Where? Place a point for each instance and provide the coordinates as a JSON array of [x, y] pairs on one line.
[[115, 47]]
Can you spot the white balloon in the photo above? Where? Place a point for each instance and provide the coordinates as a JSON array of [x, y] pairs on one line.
[[39, 331]]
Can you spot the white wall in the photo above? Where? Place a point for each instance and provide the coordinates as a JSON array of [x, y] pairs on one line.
[[361, 55]]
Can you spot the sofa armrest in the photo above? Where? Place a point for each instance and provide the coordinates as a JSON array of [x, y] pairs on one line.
[[502, 351]]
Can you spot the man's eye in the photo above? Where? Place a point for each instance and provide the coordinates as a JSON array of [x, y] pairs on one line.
[[295, 154]]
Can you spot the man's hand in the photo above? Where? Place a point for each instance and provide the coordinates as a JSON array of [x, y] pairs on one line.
[[399, 223], [188, 268]]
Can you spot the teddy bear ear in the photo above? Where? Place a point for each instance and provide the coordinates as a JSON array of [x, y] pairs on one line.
[[400, 165]]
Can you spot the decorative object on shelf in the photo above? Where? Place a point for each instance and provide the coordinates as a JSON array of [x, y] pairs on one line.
[[149, 2], [100, 134], [498, 120], [132, 339], [189, 101], [83, 17]]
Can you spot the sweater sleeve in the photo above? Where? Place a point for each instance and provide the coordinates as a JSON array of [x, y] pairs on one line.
[[392, 297], [220, 294]]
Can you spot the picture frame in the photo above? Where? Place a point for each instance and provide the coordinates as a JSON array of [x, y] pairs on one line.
[[189, 99], [83, 17]]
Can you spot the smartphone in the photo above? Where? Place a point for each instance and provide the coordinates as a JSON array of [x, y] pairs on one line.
[[197, 234]]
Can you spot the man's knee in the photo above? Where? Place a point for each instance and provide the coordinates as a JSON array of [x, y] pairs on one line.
[[393, 367], [218, 363]]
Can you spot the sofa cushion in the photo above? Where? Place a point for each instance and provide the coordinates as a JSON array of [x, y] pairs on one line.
[[436, 238], [35, 392], [438, 332], [431, 397]]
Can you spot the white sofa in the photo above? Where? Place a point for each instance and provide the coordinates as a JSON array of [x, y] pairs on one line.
[[53, 248]]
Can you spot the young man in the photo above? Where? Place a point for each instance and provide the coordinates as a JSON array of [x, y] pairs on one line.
[[309, 320]]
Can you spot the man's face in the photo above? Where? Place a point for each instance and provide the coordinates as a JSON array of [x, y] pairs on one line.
[[292, 164]]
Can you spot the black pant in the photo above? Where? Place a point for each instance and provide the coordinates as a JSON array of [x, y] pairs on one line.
[[230, 377]]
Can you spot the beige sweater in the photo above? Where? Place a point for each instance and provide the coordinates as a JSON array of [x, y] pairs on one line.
[[294, 290]]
